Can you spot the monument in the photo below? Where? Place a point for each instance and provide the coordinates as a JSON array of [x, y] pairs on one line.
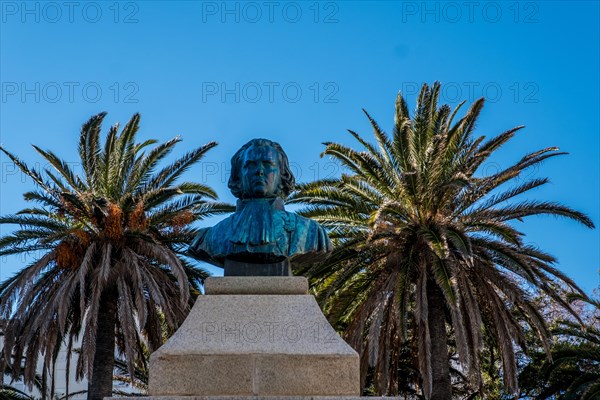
[[257, 331], [260, 237]]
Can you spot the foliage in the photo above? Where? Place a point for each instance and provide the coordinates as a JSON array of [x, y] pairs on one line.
[[111, 241], [421, 236], [573, 372]]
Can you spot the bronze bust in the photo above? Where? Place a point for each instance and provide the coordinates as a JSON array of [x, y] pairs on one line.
[[260, 237]]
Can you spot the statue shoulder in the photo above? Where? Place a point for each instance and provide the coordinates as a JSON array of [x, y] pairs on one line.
[[197, 244], [209, 244], [321, 237], [311, 234]]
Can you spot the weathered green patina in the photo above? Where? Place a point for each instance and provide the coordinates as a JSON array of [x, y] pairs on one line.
[[260, 237]]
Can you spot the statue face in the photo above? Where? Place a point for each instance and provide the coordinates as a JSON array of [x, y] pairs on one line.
[[260, 172]]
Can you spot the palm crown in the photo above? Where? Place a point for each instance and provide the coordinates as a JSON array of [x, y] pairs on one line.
[[111, 241], [421, 239]]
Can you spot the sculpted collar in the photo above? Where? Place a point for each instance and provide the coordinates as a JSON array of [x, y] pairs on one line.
[[258, 222], [275, 203]]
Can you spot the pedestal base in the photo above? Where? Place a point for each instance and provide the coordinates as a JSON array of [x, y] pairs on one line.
[[253, 398], [255, 345]]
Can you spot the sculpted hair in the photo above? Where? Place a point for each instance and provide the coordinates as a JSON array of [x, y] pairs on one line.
[[286, 186]]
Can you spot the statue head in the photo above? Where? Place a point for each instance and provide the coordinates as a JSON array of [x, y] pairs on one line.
[[260, 169]]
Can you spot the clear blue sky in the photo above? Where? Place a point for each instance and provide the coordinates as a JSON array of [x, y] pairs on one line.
[[299, 73]]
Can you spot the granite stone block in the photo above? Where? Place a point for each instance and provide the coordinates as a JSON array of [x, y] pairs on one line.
[[256, 285], [254, 345]]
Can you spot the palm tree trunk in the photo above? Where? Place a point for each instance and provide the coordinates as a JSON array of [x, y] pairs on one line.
[[440, 367], [100, 385]]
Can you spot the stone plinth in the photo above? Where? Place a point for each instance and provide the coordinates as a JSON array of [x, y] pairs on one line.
[[254, 398], [255, 336], [256, 285]]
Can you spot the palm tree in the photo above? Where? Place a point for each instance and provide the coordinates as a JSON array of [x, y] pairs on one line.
[[422, 239], [8, 392], [111, 242], [581, 355], [573, 372]]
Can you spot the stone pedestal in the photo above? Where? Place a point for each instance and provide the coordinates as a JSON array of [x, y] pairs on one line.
[[255, 336]]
